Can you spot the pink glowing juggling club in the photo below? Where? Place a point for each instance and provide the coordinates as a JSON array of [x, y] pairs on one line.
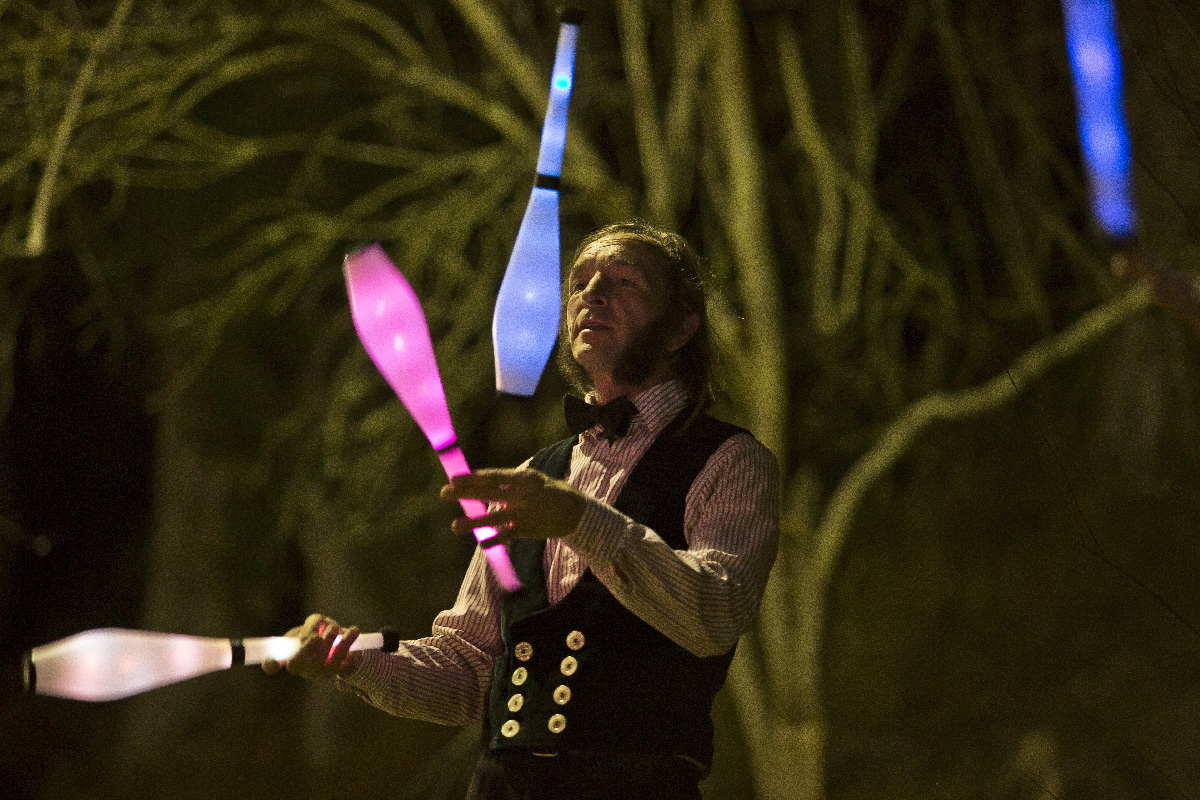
[[393, 330], [112, 663]]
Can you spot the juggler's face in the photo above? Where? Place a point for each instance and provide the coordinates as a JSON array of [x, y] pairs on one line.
[[617, 320]]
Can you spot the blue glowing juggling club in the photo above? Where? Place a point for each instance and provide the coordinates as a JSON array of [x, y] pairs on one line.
[[525, 323], [1091, 31], [392, 328]]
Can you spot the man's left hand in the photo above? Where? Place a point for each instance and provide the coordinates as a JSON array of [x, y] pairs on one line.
[[523, 503]]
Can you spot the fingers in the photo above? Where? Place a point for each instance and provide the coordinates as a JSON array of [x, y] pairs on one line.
[[524, 503], [324, 649], [339, 649], [494, 485], [500, 519], [314, 625], [324, 652]]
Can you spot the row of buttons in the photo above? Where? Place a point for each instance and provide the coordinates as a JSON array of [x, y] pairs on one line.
[[557, 724], [562, 694], [524, 650], [567, 667]]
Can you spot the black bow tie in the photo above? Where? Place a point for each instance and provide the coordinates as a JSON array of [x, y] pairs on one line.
[[612, 417]]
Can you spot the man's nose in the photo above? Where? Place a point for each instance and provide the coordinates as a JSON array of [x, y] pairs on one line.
[[596, 291]]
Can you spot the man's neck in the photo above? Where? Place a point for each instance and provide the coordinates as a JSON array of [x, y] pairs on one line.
[[613, 391], [632, 392], [606, 389]]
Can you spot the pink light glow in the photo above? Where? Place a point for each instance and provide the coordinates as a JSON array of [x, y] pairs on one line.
[[455, 463], [392, 328], [112, 663], [336, 641]]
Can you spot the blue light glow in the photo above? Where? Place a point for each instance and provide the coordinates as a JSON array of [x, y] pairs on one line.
[[525, 323], [1103, 135], [554, 128]]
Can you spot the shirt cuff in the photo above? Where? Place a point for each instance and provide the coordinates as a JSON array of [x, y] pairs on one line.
[[366, 672], [601, 532]]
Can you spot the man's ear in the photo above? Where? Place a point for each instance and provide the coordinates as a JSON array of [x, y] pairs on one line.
[[683, 333]]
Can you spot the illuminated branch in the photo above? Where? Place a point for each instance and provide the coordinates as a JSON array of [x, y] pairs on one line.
[[834, 182], [830, 219], [404, 46], [1001, 389], [864, 133], [587, 168], [645, 116], [40, 216], [682, 102], [996, 197], [890, 447], [745, 219]]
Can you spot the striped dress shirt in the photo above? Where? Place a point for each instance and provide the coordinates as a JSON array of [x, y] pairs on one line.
[[702, 598]]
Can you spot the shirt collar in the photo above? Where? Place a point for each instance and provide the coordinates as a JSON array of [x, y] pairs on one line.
[[656, 406]]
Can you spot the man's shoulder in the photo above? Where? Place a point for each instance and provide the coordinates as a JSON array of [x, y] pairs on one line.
[[740, 449], [708, 425]]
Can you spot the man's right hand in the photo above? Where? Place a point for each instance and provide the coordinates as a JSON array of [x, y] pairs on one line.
[[324, 652]]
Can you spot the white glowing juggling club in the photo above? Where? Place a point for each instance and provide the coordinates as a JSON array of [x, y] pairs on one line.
[[392, 328], [112, 663], [1091, 32], [525, 323]]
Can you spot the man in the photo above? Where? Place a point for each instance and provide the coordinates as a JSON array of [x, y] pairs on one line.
[[643, 542]]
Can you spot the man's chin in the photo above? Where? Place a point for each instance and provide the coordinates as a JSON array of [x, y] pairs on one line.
[[592, 357]]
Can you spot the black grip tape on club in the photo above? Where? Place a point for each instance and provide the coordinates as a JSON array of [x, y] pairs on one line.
[[572, 14]]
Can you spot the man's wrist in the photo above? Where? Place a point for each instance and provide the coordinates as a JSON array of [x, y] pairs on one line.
[[350, 666]]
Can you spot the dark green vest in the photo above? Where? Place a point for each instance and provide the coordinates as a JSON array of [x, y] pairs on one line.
[[587, 673]]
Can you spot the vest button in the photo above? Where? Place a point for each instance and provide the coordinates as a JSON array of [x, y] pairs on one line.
[[523, 651], [575, 640], [515, 702], [562, 695], [568, 666], [557, 724], [519, 676], [510, 729]]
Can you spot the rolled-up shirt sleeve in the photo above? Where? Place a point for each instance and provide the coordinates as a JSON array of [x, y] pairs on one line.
[[442, 678], [705, 597]]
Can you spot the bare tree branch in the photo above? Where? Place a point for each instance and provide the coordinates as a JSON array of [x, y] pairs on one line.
[[999, 207], [655, 168], [895, 441], [745, 219], [39, 217]]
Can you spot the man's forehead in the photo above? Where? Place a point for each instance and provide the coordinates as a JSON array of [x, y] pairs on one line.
[[621, 248]]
